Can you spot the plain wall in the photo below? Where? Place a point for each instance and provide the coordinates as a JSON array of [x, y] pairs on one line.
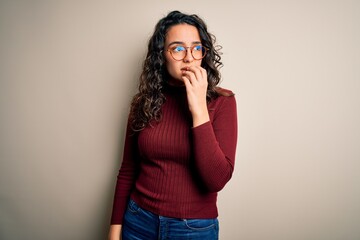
[[68, 72]]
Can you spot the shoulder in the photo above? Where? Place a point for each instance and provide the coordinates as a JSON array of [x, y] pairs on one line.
[[223, 95], [224, 100], [224, 92], [223, 108]]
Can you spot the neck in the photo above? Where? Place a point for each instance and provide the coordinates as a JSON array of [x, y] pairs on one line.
[[175, 83]]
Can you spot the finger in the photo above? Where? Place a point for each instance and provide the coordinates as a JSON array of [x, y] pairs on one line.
[[196, 70], [204, 75], [186, 82], [191, 76], [203, 72]]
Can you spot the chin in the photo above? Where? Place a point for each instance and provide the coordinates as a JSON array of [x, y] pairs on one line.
[[177, 77]]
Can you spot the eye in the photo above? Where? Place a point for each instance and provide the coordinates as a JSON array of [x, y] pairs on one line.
[[178, 49], [197, 48]]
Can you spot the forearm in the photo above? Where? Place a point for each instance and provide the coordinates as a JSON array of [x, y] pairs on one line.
[[125, 179], [214, 164]]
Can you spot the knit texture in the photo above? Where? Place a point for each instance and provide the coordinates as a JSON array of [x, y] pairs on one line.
[[173, 169]]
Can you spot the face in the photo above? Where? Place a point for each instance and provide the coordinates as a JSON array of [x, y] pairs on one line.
[[178, 36]]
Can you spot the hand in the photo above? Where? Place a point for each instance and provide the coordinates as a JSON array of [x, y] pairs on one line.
[[115, 232], [195, 79]]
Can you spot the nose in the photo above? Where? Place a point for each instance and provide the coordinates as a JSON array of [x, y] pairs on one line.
[[188, 57]]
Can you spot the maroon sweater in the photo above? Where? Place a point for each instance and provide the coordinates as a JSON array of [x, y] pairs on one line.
[[173, 169]]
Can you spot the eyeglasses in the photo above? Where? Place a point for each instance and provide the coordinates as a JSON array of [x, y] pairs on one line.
[[179, 52]]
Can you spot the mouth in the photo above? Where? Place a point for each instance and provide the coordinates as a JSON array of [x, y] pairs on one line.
[[184, 69]]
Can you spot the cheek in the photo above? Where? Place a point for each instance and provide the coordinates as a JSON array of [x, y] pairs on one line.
[[172, 67]]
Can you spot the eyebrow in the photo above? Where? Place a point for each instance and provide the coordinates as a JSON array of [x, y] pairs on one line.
[[178, 42]]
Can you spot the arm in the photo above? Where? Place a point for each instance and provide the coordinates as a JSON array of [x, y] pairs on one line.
[[215, 145], [214, 142], [125, 182]]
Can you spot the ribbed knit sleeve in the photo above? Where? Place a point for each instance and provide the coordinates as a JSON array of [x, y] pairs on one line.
[[215, 144], [126, 177]]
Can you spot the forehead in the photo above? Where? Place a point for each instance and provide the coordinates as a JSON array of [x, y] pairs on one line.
[[182, 33]]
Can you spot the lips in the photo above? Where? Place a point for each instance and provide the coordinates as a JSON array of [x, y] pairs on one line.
[[185, 69]]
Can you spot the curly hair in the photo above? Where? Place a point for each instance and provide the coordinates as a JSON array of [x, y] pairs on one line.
[[146, 104]]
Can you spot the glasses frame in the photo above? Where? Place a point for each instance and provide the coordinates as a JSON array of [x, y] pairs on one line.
[[191, 51]]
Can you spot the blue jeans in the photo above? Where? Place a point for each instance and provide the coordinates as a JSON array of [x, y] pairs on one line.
[[140, 224]]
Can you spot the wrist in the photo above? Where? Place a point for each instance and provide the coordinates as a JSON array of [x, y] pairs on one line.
[[200, 118]]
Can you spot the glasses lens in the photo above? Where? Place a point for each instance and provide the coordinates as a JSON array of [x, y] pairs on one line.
[[198, 52], [178, 52]]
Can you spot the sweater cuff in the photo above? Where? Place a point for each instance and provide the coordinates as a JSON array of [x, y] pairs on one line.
[[205, 133]]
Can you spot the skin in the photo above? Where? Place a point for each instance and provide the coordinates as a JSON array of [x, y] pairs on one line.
[[115, 232], [186, 72]]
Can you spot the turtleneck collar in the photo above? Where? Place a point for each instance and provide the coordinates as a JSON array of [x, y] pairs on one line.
[[173, 89]]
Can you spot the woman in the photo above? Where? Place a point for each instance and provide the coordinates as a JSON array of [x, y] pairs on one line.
[[180, 140]]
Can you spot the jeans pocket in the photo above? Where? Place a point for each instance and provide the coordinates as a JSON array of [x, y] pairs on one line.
[[201, 224], [133, 207]]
